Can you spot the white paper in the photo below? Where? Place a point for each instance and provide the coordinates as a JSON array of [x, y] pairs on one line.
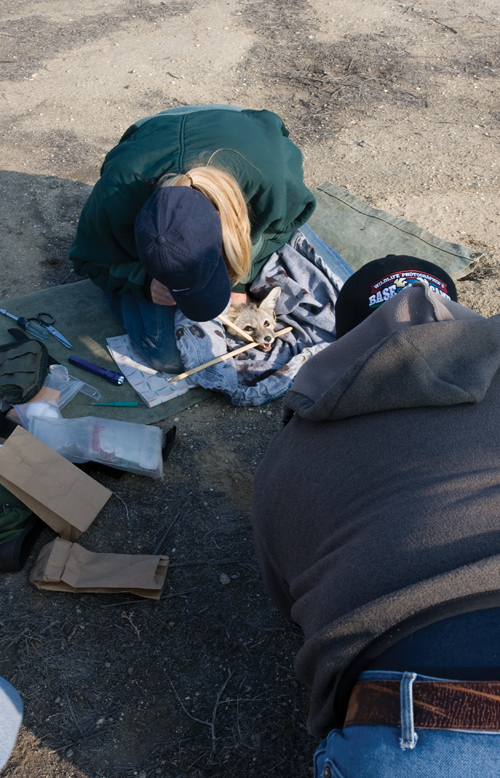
[[150, 384]]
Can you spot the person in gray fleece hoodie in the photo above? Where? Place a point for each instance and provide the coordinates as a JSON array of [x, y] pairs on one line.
[[376, 518]]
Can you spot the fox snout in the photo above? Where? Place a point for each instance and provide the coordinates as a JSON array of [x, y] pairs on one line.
[[261, 332], [258, 319]]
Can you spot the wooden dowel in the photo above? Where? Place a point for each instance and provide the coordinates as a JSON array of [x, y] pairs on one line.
[[229, 354], [241, 333]]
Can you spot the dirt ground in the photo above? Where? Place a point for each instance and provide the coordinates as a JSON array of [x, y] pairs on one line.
[[399, 105]]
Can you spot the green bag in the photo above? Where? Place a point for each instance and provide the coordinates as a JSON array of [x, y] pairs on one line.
[[23, 369], [13, 515], [19, 529]]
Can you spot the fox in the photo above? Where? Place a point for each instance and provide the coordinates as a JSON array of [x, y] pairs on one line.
[[258, 319]]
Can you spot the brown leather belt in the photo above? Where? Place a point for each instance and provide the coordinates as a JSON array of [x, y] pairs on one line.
[[436, 704]]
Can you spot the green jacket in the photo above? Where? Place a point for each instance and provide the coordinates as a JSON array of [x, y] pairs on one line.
[[251, 145]]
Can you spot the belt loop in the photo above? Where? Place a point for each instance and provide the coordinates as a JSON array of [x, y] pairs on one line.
[[408, 737]]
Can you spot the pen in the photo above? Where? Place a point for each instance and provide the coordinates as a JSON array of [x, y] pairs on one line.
[[124, 404]]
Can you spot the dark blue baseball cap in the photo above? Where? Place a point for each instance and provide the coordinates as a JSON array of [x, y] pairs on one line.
[[178, 235]]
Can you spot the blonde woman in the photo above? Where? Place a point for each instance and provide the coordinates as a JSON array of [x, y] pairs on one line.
[[190, 205]]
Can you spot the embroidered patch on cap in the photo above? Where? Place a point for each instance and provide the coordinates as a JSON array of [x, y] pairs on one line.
[[389, 285]]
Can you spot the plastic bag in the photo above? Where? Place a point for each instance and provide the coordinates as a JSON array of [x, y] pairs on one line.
[[67, 385], [58, 389], [136, 448], [23, 413]]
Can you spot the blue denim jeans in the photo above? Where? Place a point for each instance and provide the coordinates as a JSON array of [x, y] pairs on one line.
[[151, 327], [377, 751], [11, 716], [330, 257]]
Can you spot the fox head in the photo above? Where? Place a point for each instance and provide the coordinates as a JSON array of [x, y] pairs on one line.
[[258, 319]]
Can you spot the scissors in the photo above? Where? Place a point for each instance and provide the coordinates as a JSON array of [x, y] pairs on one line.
[[47, 320]]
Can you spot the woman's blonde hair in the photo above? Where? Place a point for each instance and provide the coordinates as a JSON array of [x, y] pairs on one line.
[[225, 194]]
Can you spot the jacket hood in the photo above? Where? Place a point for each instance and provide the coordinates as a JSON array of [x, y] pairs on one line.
[[418, 349]]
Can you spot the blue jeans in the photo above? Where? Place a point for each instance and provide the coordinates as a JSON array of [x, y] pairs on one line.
[[151, 327], [377, 751], [331, 258], [11, 716]]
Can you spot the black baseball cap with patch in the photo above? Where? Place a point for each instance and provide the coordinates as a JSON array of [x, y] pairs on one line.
[[381, 279]]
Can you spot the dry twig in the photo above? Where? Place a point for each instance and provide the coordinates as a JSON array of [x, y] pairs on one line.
[[214, 712], [160, 544], [73, 715], [128, 617]]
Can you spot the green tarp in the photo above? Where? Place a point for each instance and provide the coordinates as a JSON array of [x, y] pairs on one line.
[[361, 233], [357, 231]]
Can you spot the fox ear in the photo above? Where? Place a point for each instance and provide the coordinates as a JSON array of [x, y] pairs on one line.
[[269, 303]]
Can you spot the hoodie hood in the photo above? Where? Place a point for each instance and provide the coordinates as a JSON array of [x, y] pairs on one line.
[[418, 349]]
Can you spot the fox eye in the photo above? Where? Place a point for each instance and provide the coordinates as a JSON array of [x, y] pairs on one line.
[[267, 323], [248, 329]]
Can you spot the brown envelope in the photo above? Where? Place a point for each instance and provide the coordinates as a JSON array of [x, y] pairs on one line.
[[62, 495], [68, 567]]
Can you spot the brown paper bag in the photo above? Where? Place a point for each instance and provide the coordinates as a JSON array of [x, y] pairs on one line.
[[62, 495], [68, 567]]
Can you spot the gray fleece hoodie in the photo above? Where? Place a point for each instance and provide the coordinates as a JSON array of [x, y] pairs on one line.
[[377, 508]]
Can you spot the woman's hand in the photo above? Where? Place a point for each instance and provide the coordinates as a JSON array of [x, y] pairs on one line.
[[160, 294], [238, 299]]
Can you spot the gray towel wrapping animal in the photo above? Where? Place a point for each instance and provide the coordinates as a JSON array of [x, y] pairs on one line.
[[309, 290]]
